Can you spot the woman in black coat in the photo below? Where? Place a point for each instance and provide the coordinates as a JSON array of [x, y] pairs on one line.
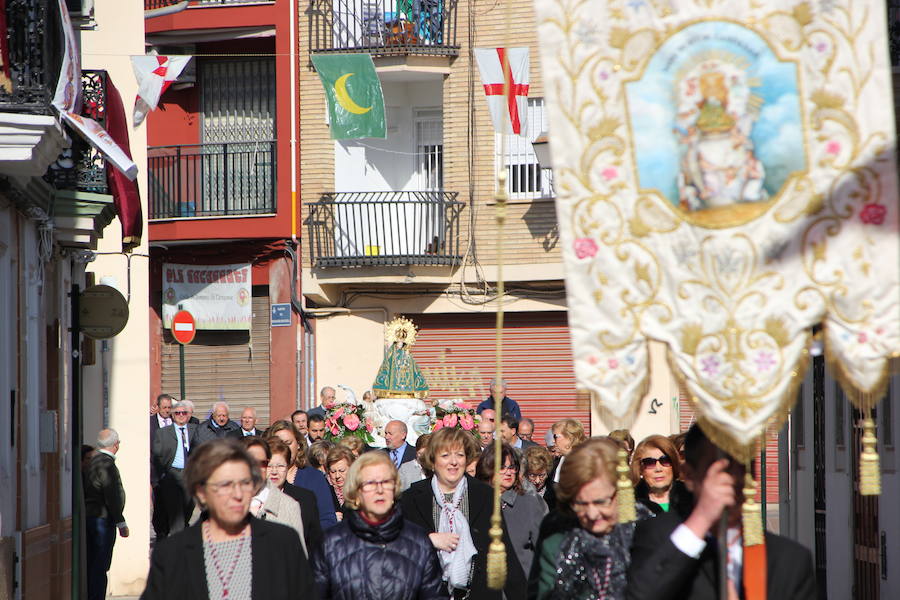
[[449, 451], [265, 560], [373, 553]]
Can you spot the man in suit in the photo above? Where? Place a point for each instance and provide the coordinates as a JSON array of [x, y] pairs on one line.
[[218, 425], [172, 506], [675, 556], [526, 430], [509, 433], [190, 408], [104, 504], [248, 422], [326, 398], [163, 416], [395, 433]]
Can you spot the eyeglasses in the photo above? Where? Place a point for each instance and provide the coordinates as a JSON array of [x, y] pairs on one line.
[[537, 476], [179, 412], [223, 488], [371, 486], [277, 467], [581, 507], [649, 463]]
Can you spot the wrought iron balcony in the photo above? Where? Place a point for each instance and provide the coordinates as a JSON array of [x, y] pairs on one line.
[[212, 180], [34, 38], [384, 228], [384, 27], [154, 4]]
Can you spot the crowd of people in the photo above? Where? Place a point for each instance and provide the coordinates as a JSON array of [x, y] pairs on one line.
[[241, 513]]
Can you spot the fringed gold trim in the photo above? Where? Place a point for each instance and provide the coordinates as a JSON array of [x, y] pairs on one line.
[[751, 513], [390, 394], [722, 439], [496, 558], [625, 490], [863, 399], [869, 467]]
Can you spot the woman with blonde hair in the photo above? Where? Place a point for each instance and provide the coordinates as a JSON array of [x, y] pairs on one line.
[[656, 470], [317, 454], [374, 552], [229, 553], [567, 433], [584, 552], [455, 509], [353, 444], [303, 475]]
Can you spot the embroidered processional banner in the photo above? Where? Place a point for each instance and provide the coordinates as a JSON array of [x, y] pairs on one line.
[[725, 182]]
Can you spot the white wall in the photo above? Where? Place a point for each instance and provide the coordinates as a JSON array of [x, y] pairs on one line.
[[374, 165], [120, 33], [8, 292]]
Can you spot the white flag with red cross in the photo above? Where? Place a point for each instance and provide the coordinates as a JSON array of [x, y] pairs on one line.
[[504, 73], [154, 76]]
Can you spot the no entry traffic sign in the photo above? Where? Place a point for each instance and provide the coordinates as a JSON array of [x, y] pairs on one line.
[[183, 327]]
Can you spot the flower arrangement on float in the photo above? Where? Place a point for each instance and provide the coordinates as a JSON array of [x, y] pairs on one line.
[[454, 413], [344, 419]]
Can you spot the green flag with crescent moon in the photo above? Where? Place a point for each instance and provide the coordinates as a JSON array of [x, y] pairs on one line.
[[355, 101]]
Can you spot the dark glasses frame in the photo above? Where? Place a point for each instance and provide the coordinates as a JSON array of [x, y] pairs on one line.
[[649, 462]]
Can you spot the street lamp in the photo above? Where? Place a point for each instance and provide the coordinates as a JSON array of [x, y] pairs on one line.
[[541, 147]]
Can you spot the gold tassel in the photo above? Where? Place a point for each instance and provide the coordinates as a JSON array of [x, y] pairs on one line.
[[496, 558], [869, 468], [625, 490], [751, 514]]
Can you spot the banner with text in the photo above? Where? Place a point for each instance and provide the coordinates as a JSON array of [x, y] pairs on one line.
[[218, 296]]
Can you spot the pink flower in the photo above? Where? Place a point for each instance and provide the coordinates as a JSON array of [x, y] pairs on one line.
[[467, 422], [609, 173], [335, 430], [439, 424], [329, 405], [329, 423], [833, 147], [873, 214], [462, 405], [351, 421], [613, 363], [862, 338], [338, 413], [585, 247], [369, 425], [450, 420]]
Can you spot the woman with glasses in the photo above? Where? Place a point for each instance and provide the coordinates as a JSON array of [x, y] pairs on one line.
[[655, 470], [337, 464], [374, 552], [537, 463], [303, 475], [270, 503], [455, 509], [229, 553], [309, 512], [523, 512], [584, 552]]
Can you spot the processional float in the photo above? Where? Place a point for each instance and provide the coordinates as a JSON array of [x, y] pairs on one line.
[[726, 182]]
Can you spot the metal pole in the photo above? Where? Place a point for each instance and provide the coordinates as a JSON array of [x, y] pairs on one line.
[[181, 368], [78, 555]]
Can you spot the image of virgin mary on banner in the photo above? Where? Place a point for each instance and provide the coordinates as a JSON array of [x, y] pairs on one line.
[[726, 182]]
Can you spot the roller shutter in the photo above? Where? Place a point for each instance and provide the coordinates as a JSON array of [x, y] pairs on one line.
[[224, 365], [456, 351]]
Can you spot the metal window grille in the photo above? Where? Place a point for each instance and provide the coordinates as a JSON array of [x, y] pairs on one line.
[[238, 124], [527, 180], [430, 150]]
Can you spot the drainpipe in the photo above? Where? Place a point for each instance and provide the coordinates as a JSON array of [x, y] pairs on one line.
[[294, 67]]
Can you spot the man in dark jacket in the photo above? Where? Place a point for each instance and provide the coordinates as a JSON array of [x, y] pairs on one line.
[[104, 504], [218, 425], [675, 557], [172, 505], [508, 406]]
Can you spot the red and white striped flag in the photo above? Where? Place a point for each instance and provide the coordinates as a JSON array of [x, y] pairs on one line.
[[154, 75], [504, 73]]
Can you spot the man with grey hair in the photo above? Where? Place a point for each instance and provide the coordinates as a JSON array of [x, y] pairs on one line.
[[526, 430], [189, 406], [326, 396], [218, 425], [508, 406], [172, 506], [400, 451], [104, 505], [248, 422]]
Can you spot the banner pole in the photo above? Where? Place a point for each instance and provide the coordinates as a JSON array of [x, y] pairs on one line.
[[181, 368]]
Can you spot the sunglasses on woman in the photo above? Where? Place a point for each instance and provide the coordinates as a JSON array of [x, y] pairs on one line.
[[649, 463]]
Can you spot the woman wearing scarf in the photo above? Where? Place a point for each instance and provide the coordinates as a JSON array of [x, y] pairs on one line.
[[456, 511], [584, 552]]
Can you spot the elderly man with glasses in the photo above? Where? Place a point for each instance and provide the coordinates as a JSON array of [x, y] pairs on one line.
[[172, 445]]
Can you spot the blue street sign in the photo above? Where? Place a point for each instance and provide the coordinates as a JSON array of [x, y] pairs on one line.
[[281, 315]]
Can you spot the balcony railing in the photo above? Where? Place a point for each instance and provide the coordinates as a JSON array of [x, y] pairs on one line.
[[212, 180], [154, 4], [35, 55], [384, 27], [384, 228]]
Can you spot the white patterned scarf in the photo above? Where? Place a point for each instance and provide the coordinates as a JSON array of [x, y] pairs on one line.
[[457, 564]]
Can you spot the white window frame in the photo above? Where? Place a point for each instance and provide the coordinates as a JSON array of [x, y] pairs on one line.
[[520, 160]]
